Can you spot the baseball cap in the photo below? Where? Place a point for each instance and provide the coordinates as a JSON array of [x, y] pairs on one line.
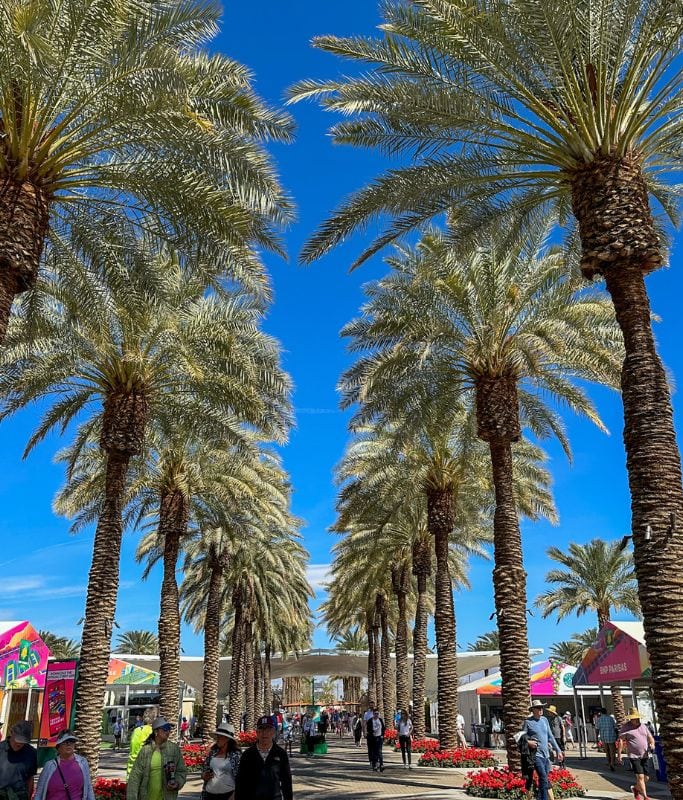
[[265, 722], [160, 722]]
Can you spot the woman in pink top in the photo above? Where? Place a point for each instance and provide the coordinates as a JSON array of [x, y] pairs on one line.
[[639, 742], [66, 777]]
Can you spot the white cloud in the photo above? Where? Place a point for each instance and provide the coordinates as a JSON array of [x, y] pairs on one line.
[[22, 583], [317, 575]]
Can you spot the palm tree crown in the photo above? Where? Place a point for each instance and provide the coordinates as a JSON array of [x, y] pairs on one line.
[[139, 642]]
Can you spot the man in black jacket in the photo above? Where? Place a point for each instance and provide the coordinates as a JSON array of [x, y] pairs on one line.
[[375, 733], [264, 772]]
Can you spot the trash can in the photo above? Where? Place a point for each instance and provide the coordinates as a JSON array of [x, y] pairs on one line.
[[660, 763], [481, 735]]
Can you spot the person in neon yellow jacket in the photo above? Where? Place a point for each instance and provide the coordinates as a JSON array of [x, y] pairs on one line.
[[138, 738]]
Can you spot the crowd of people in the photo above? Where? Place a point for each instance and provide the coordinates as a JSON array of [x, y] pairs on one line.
[[156, 769]]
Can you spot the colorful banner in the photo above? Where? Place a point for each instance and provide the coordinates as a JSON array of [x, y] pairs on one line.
[[546, 678], [615, 656], [123, 673], [58, 701], [23, 657]]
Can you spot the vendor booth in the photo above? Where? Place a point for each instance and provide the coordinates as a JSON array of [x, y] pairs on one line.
[[23, 664], [480, 701], [618, 657]]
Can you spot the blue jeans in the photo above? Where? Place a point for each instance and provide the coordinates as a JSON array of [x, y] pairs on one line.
[[542, 767]]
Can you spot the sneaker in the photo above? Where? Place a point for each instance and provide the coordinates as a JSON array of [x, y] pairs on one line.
[[381, 769], [410, 766]]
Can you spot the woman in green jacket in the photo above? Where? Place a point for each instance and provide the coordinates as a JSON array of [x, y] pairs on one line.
[[159, 770]]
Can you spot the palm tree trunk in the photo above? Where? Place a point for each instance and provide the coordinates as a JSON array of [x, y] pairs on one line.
[[372, 689], [611, 197], [388, 688], [440, 518], [420, 656], [401, 645], [615, 691], [267, 682], [509, 583], [173, 518], [212, 648], [100, 607], [258, 682], [236, 672], [377, 667], [24, 216], [249, 699], [653, 462]]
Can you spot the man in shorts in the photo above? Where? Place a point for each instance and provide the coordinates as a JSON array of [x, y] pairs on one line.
[[638, 741]]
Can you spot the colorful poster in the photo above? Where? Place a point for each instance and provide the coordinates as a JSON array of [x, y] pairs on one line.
[[58, 700], [547, 678], [23, 657]]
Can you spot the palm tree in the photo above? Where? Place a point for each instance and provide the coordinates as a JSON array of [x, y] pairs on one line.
[[507, 330], [60, 647], [487, 641], [150, 342], [525, 109], [144, 643], [573, 650], [140, 121], [597, 576]]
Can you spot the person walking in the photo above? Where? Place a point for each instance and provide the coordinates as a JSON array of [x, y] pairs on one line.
[[539, 739], [556, 726], [405, 738], [184, 729], [638, 741], [367, 716], [310, 731], [460, 731], [117, 730], [159, 770], [357, 728], [66, 777], [140, 735], [568, 730], [264, 772], [221, 765], [606, 727], [496, 732], [18, 763], [375, 733]]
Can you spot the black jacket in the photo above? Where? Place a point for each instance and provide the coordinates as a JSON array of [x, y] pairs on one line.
[[264, 780], [368, 727]]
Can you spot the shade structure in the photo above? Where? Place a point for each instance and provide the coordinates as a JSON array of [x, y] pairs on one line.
[[318, 662], [618, 654], [546, 679]]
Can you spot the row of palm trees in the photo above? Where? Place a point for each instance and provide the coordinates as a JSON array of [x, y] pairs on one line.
[[135, 194], [502, 116]]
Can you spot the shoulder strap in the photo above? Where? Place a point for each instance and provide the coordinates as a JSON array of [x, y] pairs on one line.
[[65, 784]]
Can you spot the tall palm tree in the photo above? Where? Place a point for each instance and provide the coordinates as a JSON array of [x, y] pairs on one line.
[[573, 650], [507, 329], [486, 641], [523, 109], [597, 576], [151, 341], [144, 643], [140, 120], [60, 647]]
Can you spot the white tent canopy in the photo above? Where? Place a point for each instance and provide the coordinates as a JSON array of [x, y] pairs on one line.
[[318, 662]]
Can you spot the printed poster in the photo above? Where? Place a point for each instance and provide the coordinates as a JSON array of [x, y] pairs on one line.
[[58, 700]]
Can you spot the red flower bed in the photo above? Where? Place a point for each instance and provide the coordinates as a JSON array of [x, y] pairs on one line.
[[467, 757], [246, 738], [506, 785], [109, 789], [390, 735], [421, 745], [193, 756]]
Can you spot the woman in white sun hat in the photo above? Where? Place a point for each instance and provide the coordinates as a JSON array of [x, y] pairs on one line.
[[66, 777], [220, 768]]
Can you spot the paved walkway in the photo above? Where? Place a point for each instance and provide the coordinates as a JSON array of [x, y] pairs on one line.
[[344, 774]]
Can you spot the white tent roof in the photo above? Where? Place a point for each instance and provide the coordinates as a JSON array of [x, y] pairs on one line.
[[317, 662], [633, 629]]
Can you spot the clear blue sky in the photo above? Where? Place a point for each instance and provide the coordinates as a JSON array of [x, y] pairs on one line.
[[44, 569]]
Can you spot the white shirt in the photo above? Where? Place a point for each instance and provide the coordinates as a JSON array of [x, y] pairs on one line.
[[368, 715], [223, 781], [460, 722], [376, 727], [405, 728]]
